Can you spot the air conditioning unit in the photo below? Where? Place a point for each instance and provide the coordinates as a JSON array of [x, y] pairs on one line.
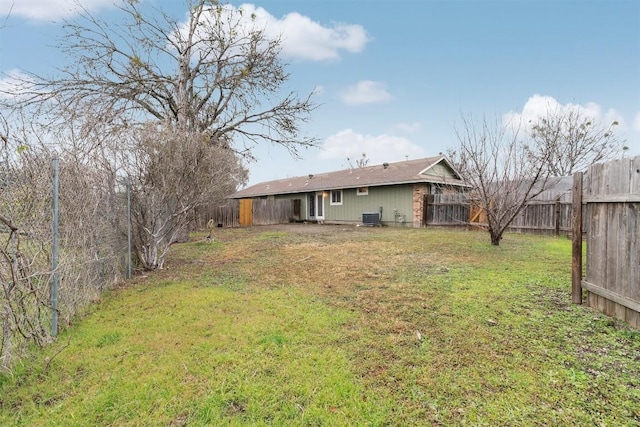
[[371, 218]]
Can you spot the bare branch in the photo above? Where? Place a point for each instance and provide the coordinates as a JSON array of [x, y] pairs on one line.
[[573, 141], [216, 73], [501, 168]]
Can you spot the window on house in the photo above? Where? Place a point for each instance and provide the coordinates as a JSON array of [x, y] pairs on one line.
[[336, 197], [362, 191]]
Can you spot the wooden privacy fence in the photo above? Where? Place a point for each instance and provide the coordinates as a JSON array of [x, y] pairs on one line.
[[447, 209], [540, 216], [267, 212], [544, 217], [246, 212], [612, 218], [225, 214]]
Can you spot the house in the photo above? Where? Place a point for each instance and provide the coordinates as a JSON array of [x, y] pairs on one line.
[[388, 193]]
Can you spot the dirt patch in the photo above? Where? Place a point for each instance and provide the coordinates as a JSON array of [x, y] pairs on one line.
[[320, 229]]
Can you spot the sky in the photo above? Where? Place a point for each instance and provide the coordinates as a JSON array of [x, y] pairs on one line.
[[392, 79]]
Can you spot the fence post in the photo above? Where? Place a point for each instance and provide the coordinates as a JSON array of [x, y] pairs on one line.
[[128, 227], [425, 211], [576, 250], [556, 231], [54, 254]]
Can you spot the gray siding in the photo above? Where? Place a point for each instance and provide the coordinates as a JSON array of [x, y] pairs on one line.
[[441, 171], [396, 202]]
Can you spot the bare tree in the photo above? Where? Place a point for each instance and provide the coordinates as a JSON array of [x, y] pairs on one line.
[[359, 163], [22, 268], [571, 141], [214, 76], [501, 170], [216, 73], [173, 172]]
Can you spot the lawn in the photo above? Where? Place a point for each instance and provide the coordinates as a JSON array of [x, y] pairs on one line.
[[338, 325]]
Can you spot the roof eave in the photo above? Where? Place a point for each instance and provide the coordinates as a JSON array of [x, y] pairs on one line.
[[426, 179]]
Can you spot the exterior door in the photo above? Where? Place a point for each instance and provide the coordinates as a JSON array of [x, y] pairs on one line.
[[312, 206], [316, 206], [319, 205]]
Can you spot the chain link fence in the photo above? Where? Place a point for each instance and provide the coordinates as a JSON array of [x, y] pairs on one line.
[[92, 250]]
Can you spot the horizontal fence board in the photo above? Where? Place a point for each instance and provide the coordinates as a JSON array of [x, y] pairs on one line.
[[612, 198], [611, 295]]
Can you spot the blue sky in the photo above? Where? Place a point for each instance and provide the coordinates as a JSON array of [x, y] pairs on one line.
[[393, 77]]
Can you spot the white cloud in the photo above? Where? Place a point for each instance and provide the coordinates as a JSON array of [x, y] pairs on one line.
[[14, 84], [378, 149], [636, 122], [409, 127], [539, 106], [303, 38], [300, 37], [48, 10], [366, 92]]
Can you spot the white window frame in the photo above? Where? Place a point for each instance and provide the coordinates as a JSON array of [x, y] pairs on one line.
[[331, 202], [362, 191]]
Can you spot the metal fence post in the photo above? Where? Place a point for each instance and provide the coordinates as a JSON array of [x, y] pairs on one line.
[[54, 256], [128, 227]]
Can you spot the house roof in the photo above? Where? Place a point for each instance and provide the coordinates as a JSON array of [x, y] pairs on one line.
[[407, 172]]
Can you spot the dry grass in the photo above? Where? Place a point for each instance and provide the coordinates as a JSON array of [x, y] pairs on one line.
[[336, 325], [453, 329]]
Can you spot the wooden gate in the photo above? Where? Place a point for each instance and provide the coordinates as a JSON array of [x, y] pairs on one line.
[[612, 200], [477, 214], [246, 212]]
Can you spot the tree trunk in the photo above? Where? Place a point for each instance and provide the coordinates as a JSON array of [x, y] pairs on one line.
[[6, 339], [495, 238], [149, 255]]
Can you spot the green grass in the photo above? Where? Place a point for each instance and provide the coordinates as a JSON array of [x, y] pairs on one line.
[[338, 326]]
